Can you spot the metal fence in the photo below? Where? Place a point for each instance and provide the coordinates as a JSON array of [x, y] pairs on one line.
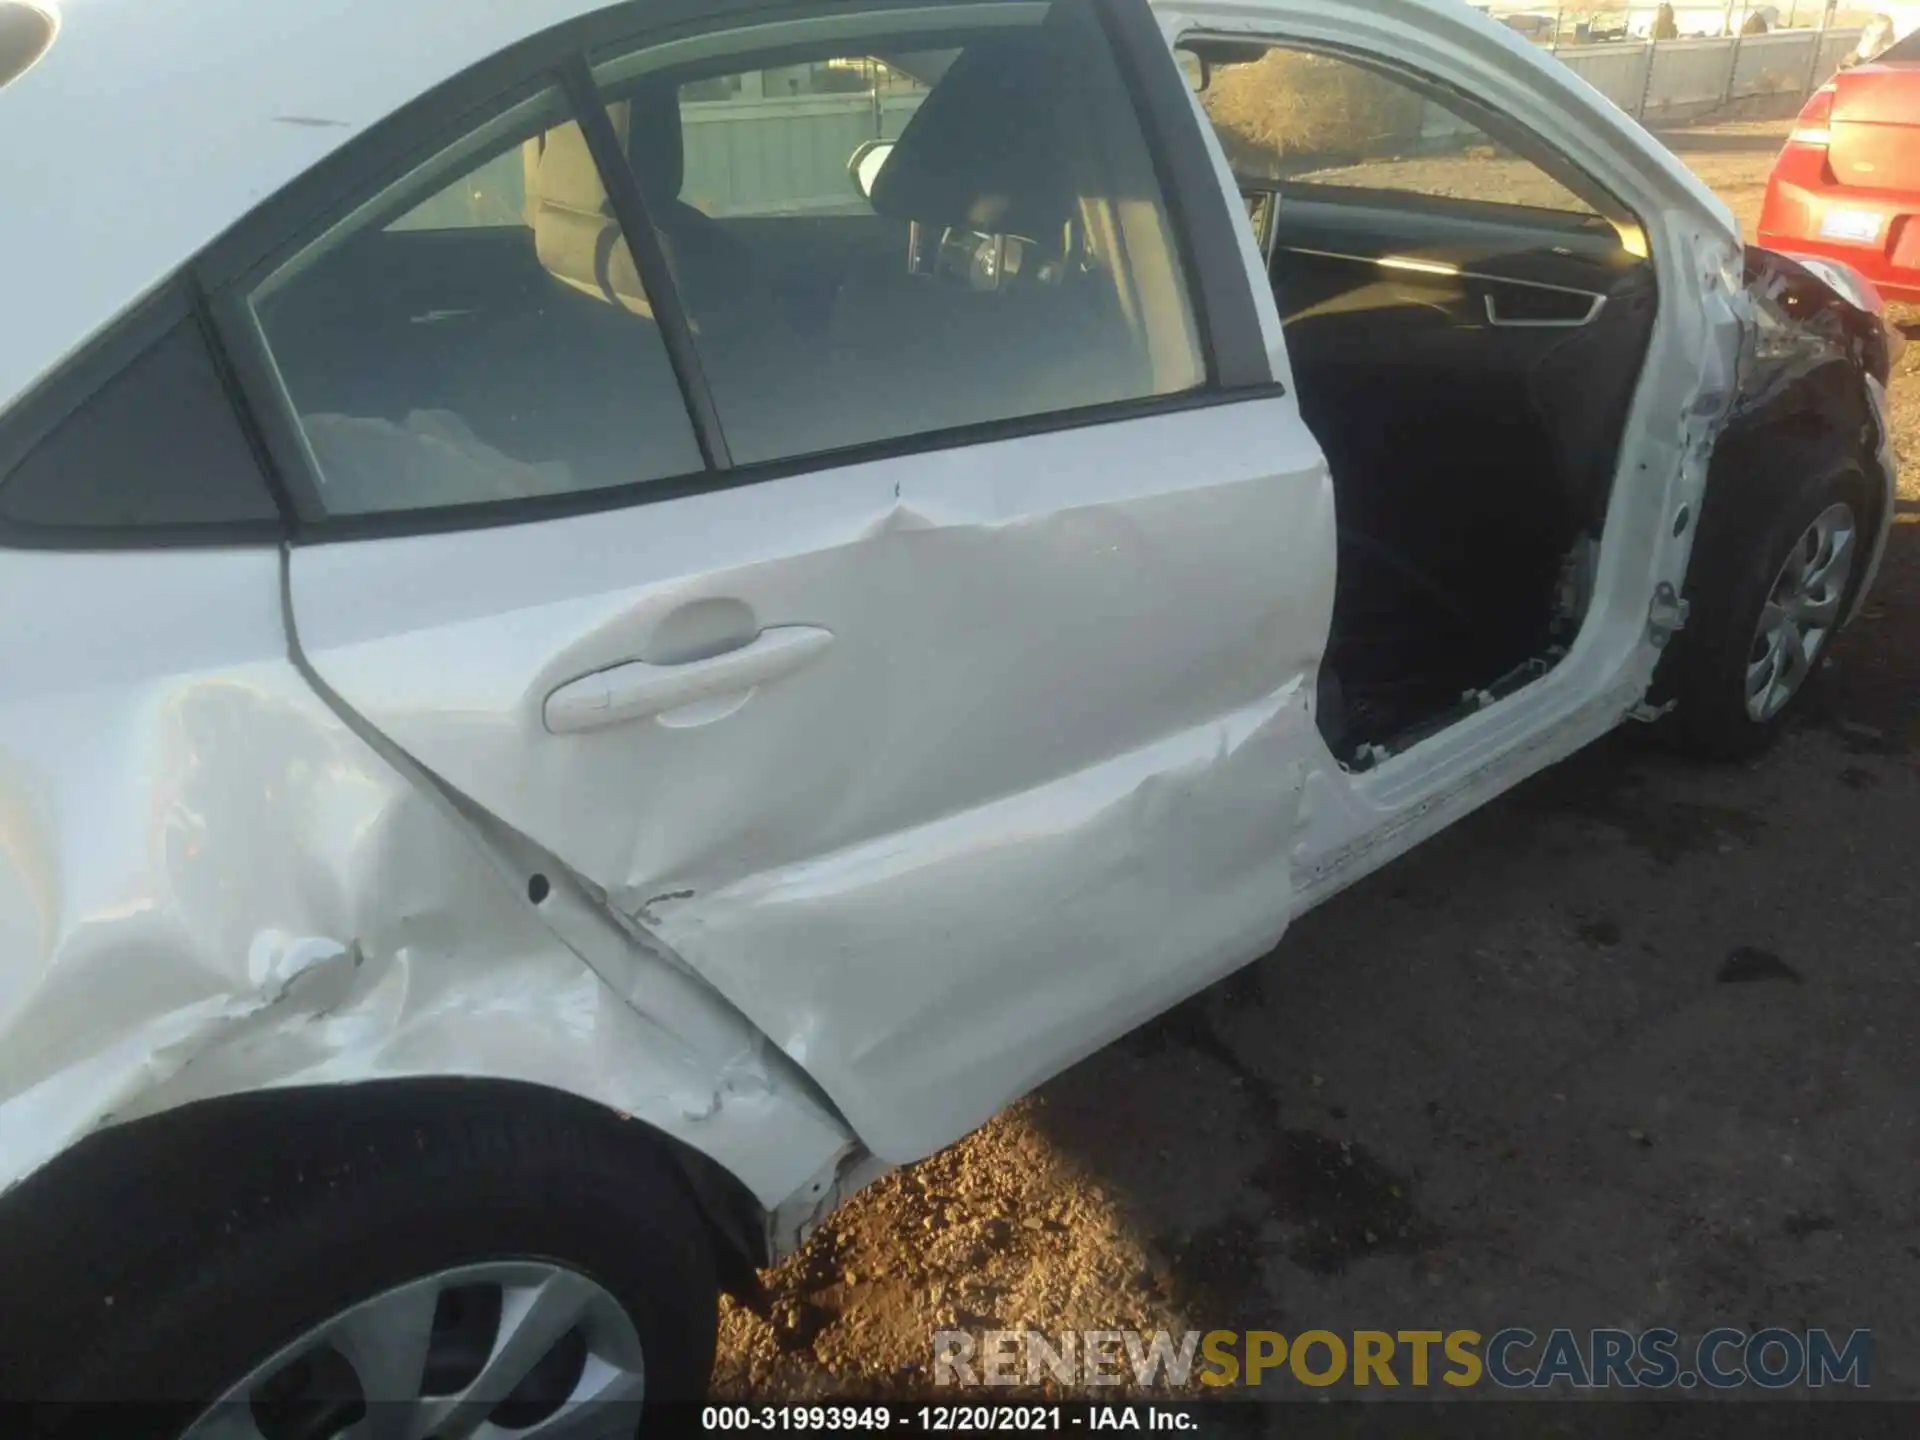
[[788, 154], [1653, 79]]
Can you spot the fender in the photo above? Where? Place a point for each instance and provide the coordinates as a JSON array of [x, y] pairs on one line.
[[1819, 352]]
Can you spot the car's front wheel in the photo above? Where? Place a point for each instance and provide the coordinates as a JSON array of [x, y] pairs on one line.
[[1775, 573], [463, 1271]]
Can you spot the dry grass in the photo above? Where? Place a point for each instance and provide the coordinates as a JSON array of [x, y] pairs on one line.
[[1307, 117], [1287, 112]]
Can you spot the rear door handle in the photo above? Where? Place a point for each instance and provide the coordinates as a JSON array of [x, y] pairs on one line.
[[636, 690]]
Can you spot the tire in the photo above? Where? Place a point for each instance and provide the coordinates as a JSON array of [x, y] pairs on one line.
[[1747, 535], [213, 1263]]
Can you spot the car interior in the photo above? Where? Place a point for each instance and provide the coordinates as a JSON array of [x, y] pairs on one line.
[[488, 323], [1467, 366], [994, 229]]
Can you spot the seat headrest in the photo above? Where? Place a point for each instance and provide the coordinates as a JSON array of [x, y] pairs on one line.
[[560, 171], [985, 151], [574, 233]]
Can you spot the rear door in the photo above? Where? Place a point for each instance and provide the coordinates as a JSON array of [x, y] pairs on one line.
[[920, 645]]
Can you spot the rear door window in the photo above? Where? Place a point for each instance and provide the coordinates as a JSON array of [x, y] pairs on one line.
[[477, 331], [899, 235]]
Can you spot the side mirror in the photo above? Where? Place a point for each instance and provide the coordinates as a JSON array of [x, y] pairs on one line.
[[866, 163], [1195, 67]]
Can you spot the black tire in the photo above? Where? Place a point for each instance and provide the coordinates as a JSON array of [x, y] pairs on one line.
[[1752, 520], [212, 1261]]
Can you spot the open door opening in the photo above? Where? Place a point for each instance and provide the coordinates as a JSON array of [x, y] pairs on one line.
[[1466, 325]]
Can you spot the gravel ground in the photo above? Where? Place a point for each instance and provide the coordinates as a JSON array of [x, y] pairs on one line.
[[1633, 1046]]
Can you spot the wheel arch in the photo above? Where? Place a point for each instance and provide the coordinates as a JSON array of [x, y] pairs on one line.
[[1824, 416], [179, 1172], [1832, 400]]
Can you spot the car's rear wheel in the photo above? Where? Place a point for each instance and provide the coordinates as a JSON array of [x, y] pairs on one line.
[[529, 1346], [1776, 571], [461, 1273]]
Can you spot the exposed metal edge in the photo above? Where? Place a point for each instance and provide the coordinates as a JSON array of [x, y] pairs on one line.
[[792, 1222]]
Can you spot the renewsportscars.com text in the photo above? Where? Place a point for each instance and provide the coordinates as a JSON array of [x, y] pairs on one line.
[[1515, 1358]]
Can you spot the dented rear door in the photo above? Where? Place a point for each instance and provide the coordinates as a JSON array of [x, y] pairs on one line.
[[945, 765], [1039, 783]]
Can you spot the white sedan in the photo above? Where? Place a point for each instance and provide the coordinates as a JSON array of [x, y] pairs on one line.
[[618, 616]]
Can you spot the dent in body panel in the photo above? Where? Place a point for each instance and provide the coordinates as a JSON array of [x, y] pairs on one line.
[[1810, 351], [1002, 614], [1027, 932], [926, 973], [209, 884], [1715, 394], [1041, 784], [1797, 325]]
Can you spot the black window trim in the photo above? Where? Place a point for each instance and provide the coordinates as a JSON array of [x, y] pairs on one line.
[[650, 259], [1232, 348], [1203, 219]]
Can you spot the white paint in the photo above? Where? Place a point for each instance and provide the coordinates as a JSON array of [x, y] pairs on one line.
[[1056, 769], [208, 884], [1041, 783]]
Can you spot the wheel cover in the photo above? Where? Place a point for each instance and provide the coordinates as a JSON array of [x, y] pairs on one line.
[[1802, 611], [512, 1348]]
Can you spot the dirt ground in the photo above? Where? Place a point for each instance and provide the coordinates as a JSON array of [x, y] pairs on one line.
[[1635, 1045]]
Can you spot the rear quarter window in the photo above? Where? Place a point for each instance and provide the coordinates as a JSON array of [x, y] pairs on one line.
[[137, 440]]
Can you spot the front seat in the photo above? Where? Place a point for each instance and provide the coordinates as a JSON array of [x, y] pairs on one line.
[[989, 154]]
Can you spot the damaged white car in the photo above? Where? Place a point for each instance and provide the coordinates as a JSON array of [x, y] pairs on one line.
[[621, 615]]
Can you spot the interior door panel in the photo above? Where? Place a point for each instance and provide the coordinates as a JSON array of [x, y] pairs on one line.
[[1548, 310], [1468, 369]]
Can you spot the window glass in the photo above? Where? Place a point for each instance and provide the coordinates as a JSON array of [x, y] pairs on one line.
[[156, 445], [812, 115], [468, 336], [492, 194], [911, 233], [1317, 119]]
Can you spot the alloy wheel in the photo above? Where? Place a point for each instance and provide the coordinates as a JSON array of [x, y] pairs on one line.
[[513, 1348], [1802, 611]]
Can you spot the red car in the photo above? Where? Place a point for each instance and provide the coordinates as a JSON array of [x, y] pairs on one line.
[[1847, 185]]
